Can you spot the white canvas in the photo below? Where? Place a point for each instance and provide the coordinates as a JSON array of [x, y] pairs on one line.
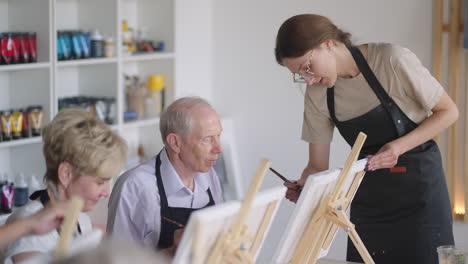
[[316, 188], [220, 218]]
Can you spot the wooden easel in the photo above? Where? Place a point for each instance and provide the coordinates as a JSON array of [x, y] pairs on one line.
[[330, 214], [238, 245], [68, 227]]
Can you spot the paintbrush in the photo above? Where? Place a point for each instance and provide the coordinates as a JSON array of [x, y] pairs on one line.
[[173, 222], [299, 188], [280, 176]]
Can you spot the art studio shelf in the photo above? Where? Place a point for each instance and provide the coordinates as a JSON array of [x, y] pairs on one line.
[[152, 56], [20, 142], [82, 62], [26, 66]]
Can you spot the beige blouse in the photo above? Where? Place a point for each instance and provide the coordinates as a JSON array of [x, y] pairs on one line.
[[401, 74]]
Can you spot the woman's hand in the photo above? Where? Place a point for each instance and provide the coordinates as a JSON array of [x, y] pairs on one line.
[[386, 157], [294, 190]]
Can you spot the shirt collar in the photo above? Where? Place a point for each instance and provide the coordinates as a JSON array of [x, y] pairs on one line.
[[171, 180]]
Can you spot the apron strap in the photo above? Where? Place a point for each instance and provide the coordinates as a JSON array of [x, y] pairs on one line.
[[162, 192], [331, 104], [398, 117]]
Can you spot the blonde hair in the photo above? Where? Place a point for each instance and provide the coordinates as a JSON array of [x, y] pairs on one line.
[[81, 139]]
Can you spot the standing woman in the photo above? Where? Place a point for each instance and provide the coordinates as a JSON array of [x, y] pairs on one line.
[[383, 90]]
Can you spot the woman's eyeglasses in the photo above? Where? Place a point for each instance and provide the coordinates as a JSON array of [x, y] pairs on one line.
[[306, 76], [303, 78]]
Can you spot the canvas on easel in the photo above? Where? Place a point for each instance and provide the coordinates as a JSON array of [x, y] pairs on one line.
[[321, 210], [232, 232]]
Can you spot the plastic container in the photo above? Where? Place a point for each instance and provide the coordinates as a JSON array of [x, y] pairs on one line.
[[444, 253], [34, 184], [459, 256]]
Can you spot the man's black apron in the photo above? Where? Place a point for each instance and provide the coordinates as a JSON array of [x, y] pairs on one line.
[[178, 214], [44, 199], [402, 217]]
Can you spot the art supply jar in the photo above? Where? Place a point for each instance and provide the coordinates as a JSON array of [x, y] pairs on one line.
[[109, 48], [154, 102]]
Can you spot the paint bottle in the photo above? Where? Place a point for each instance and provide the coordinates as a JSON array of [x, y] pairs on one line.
[[8, 194], [34, 185], [97, 44], [109, 48], [21, 191]]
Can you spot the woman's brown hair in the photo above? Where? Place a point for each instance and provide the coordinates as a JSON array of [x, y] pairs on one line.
[[301, 33]]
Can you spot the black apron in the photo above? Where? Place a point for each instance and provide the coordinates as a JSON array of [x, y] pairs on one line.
[[402, 217], [178, 214], [44, 199]]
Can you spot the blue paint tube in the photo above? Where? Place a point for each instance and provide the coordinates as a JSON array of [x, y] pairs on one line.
[[76, 45], [84, 45]]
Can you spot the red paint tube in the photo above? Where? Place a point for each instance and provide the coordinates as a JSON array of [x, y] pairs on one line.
[[32, 47], [16, 47], [24, 48], [1, 49]]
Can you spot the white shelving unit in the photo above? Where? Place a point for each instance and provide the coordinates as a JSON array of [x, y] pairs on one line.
[[44, 82]]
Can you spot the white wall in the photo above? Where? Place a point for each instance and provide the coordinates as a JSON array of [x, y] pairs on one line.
[[258, 94]]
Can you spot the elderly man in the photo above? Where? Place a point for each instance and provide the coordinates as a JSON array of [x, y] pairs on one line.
[[149, 202]]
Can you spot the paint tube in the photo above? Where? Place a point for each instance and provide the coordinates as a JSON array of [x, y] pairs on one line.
[[32, 47], [35, 120], [26, 133], [17, 124], [6, 120]]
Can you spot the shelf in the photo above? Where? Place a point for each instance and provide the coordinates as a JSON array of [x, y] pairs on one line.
[[20, 142], [82, 62], [151, 56], [141, 123], [24, 66]]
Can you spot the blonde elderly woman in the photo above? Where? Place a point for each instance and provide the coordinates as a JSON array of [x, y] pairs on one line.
[[82, 154]]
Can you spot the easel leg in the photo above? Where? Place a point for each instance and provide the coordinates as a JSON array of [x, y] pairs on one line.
[[313, 255], [310, 237], [360, 246]]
